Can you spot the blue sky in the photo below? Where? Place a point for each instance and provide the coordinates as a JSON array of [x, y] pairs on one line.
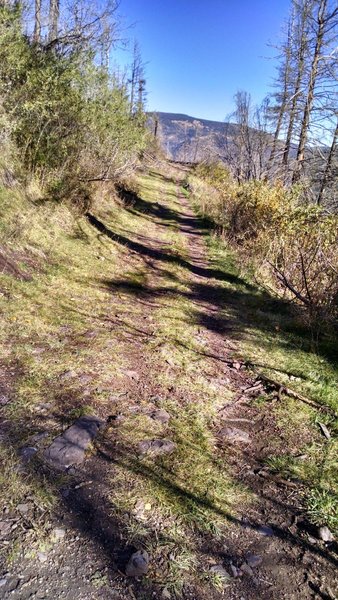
[[200, 52]]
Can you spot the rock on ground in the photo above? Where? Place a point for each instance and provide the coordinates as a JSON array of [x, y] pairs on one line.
[[156, 447], [138, 564], [69, 448], [233, 434]]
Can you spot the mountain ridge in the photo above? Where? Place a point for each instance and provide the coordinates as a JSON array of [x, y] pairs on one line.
[[185, 138]]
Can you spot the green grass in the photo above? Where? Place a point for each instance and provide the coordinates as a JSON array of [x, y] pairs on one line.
[[90, 283], [271, 336]]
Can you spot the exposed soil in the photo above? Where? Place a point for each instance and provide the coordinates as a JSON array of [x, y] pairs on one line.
[[10, 264], [292, 566], [289, 561]]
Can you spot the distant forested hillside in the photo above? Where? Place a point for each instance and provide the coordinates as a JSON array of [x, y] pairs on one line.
[[188, 139]]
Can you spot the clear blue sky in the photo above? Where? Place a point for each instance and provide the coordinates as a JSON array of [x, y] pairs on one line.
[[200, 52]]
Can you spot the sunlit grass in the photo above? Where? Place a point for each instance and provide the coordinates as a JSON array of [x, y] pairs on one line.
[[86, 283], [270, 336], [92, 283]]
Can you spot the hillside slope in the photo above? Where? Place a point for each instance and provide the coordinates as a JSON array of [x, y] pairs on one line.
[[135, 314], [189, 139]]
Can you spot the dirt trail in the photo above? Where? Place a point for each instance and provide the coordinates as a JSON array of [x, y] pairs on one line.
[[293, 564], [268, 535]]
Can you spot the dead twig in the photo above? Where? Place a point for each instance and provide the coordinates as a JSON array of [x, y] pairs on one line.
[[282, 389], [324, 430]]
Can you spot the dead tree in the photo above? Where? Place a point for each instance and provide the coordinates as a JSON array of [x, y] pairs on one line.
[[54, 13], [324, 19], [136, 76], [300, 45], [283, 95], [328, 166], [37, 23]]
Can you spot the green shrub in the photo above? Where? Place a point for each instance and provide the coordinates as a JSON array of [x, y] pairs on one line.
[[70, 120], [291, 245]]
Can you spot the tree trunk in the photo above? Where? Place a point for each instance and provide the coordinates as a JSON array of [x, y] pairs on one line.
[[136, 76], [155, 126], [37, 23], [140, 100], [321, 20], [276, 134], [293, 110], [54, 9], [301, 51], [328, 166], [285, 92]]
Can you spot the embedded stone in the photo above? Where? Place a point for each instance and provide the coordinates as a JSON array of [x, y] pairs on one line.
[[325, 534], [161, 415], [5, 528], [27, 452], [221, 571], [58, 534], [70, 447], [138, 564], [265, 530], [253, 560], [24, 508], [233, 434], [156, 447]]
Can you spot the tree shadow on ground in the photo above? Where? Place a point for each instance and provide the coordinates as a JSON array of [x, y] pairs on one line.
[[232, 311], [85, 507], [250, 306], [165, 216], [160, 255]]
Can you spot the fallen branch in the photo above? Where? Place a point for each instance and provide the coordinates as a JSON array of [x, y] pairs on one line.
[[254, 388], [274, 477], [280, 387], [289, 392], [287, 284]]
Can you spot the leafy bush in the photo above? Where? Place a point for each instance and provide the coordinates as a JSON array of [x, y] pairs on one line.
[[70, 119], [303, 257], [291, 244]]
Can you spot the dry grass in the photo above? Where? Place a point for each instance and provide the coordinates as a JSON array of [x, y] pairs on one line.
[[96, 308], [71, 334]]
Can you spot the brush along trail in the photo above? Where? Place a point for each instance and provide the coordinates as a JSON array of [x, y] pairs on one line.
[[178, 470]]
